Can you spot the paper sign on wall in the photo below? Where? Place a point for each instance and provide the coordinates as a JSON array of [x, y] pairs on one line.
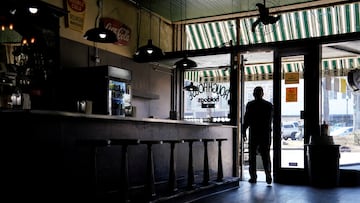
[[292, 78], [76, 16], [122, 31], [291, 94], [343, 85]]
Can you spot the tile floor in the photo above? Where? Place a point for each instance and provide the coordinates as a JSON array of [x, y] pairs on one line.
[[278, 193]]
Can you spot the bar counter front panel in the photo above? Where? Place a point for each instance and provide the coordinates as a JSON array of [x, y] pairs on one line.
[[41, 155]]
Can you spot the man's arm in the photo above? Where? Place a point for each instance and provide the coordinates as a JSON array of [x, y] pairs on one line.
[[245, 124]]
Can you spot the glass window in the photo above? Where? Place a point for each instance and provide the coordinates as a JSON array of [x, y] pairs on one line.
[[292, 103], [209, 103], [340, 109]]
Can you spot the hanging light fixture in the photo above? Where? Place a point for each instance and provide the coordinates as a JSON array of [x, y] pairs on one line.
[[148, 52], [185, 62], [100, 33], [191, 87]]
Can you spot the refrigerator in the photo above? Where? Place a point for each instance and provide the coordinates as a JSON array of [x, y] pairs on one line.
[[106, 88]]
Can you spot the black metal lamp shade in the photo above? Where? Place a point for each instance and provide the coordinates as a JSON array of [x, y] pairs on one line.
[[185, 63], [101, 35], [191, 87], [148, 53]]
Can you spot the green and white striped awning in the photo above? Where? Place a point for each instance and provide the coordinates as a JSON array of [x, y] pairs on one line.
[[216, 75], [341, 66], [265, 71], [291, 26], [295, 25], [336, 67]]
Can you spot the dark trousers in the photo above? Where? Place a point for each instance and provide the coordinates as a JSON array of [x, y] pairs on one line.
[[263, 147]]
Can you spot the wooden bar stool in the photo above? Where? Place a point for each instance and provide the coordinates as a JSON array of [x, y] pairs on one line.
[[206, 173], [191, 178], [94, 145], [124, 170], [172, 170], [220, 174], [150, 178]]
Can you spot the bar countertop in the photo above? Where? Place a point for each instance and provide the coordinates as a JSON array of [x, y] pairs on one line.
[[119, 118]]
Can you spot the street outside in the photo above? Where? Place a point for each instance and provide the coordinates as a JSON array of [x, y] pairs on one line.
[[292, 154]]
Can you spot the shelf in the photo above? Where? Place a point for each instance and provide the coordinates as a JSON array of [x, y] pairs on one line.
[[144, 94]]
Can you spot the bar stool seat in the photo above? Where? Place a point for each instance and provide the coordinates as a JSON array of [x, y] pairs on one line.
[[206, 173], [124, 170], [172, 170], [191, 178], [220, 174], [150, 178]]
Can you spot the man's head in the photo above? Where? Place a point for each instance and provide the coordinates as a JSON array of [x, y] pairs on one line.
[[258, 92]]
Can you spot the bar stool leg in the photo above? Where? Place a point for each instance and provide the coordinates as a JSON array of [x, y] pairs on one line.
[[124, 171], [172, 172], [93, 146], [94, 169], [150, 178], [220, 174], [206, 175], [124, 186], [191, 178]]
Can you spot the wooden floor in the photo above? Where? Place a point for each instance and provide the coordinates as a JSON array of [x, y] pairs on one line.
[[262, 192]]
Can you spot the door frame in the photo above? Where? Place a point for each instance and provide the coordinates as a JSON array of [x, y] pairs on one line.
[[311, 115]]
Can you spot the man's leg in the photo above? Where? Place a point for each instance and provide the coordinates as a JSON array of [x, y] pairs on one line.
[[265, 155], [252, 163]]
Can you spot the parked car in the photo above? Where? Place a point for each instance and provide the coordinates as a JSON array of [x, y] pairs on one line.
[[300, 135], [345, 149], [342, 131], [290, 130]]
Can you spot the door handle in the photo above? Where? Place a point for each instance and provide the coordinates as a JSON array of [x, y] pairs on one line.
[[302, 114]]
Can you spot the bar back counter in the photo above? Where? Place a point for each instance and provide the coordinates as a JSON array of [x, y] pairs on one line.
[[50, 155]]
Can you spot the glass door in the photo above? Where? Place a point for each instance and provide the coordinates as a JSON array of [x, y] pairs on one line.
[[292, 104], [296, 110]]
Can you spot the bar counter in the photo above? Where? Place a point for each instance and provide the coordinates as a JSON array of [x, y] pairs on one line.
[[41, 154]]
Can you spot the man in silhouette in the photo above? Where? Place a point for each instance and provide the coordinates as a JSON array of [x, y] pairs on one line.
[[258, 118], [264, 18]]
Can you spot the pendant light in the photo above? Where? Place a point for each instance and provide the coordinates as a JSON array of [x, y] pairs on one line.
[[185, 63], [100, 33], [191, 87], [148, 52]]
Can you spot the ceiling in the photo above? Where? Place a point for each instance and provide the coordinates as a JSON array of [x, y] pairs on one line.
[[199, 10]]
